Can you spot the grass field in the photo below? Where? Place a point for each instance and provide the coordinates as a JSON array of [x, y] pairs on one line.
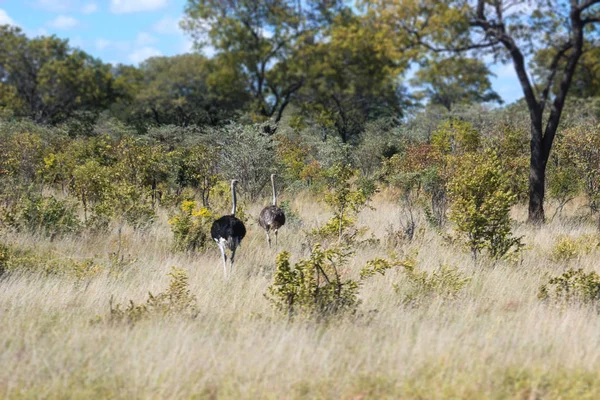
[[495, 340]]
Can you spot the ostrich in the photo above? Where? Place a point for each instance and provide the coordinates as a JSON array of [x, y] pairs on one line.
[[272, 217], [228, 231]]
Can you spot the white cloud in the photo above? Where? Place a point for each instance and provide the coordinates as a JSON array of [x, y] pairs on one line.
[[63, 22], [145, 39], [5, 19], [143, 53], [167, 26], [55, 5], [89, 8], [131, 6], [102, 44]]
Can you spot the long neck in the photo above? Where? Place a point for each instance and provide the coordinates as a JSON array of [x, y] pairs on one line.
[[234, 199], [274, 191]]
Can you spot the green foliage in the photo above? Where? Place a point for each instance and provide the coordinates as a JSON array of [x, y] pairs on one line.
[[313, 287], [574, 286], [381, 265], [444, 282], [292, 218], [42, 214], [251, 160], [47, 80], [450, 81], [567, 247], [177, 300], [344, 201], [456, 137], [579, 150], [16, 260], [480, 204], [191, 227]]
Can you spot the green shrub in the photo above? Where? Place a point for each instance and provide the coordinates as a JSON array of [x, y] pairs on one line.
[[567, 247], [17, 260], [314, 287], [345, 201], [191, 226], [445, 283], [456, 136], [574, 286], [177, 300], [480, 204], [292, 218], [43, 214]]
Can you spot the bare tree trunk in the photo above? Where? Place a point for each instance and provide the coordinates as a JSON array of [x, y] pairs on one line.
[[537, 176]]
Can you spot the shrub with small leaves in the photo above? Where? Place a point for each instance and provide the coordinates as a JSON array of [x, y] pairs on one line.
[[480, 204], [43, 214], [292, 218], [567, 247], [14, 259], [191, 226], [314, 287], [574, 286], [344, 200], [445, 283], [177, 300], [381, 265]]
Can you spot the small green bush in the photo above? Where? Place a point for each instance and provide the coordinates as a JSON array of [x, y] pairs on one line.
[[191, 226], [481, 199], [313, 288], [43, 214], [445, 282], [567, 247], [17, 260], [177, 300], [574, 286]]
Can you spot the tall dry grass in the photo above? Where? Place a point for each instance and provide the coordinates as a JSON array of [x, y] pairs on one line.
[[497, 340]]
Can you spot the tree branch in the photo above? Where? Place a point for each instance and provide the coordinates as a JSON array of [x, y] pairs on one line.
[[553, 68]]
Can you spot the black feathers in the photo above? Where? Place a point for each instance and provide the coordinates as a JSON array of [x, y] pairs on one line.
[[229, 229]]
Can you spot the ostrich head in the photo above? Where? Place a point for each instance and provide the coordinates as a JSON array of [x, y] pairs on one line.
[[234, 182]]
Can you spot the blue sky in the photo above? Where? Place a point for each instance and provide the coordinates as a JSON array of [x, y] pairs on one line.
[[129, 31]]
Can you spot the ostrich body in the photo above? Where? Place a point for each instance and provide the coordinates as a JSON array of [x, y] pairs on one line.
[[228, 231], [272, 217]]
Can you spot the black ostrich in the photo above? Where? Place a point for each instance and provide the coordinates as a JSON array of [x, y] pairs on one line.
[[228, 231], [272, 217]]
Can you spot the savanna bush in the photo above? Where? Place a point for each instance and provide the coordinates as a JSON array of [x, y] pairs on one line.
[[568, 247], [43, 214], [445, 283], [579, 149], [177, 300], [574, 286], [191, 226], [481, 200], [313, 287], [14, 259], [345, 201], [248, 155]]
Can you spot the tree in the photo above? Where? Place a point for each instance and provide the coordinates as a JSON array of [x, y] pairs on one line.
[[450, 81], [265, 39], [47, 80], [180, 90], [510, 31], [353, 77]]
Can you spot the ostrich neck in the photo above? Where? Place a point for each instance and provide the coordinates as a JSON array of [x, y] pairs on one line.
[[234, 199], [274, 191]]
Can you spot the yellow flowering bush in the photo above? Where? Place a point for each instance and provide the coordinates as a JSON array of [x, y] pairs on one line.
[[191, 226]]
